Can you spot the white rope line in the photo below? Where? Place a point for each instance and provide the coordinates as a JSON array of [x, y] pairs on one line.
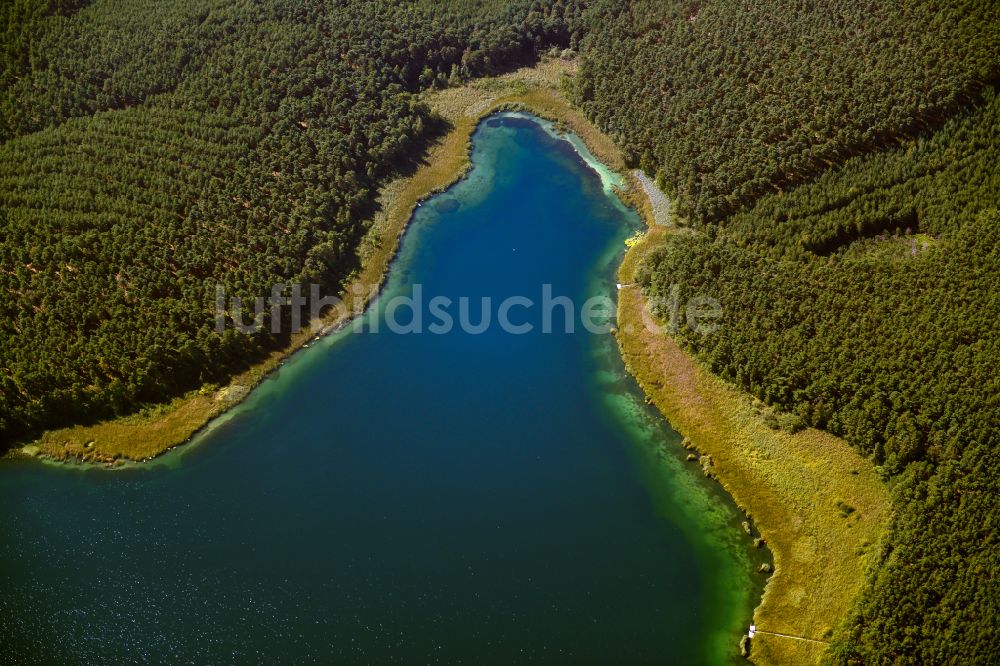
[[798, 638]]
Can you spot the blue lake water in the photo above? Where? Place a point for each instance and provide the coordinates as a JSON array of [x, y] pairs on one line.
[[407, 498]]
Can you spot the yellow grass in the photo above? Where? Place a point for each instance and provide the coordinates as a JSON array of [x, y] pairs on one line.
[[789, 484], [147, 434]]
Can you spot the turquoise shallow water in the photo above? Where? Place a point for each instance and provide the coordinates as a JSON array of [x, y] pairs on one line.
[[407, 498]]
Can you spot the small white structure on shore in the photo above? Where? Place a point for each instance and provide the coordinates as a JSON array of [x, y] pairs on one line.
[[753, 630]]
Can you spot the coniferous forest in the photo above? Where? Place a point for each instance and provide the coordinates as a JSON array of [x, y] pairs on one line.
[[835, 162], [149, 156]]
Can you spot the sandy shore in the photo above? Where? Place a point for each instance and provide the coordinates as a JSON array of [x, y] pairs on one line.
[[662, 208]]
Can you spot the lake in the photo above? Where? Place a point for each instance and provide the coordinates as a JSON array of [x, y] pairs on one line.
[[392, 496]]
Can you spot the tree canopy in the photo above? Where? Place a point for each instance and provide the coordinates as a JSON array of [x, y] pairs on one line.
[[836, 161], [153, 152], [865, 303]]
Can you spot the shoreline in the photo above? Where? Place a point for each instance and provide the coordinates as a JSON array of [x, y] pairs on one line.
[[140, 437], [787, 605], [790, 486]]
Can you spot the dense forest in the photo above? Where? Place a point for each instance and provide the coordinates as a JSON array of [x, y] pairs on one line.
[[726, 101], [153, 153], [866, 303], [836, 161], [837, 164]]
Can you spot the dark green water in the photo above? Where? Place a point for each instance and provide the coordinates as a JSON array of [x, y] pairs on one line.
[[406, 498]]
